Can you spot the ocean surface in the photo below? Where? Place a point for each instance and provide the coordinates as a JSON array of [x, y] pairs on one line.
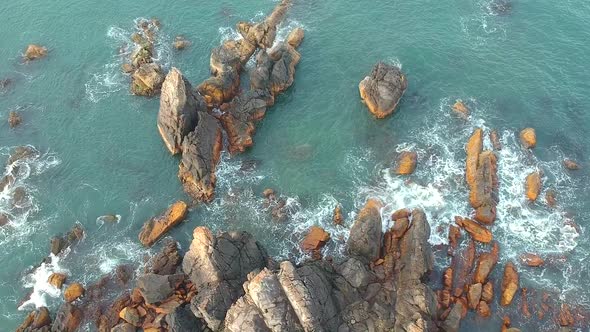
[[101, 154]]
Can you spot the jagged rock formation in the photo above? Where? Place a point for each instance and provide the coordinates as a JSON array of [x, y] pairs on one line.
[[382, 90]]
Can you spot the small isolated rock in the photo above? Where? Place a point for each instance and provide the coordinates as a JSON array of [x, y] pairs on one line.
[[315, 239], [528, 138], [509, 284], [73, 292], [131, 316], [338, 219], [295, 37], [533, 185], [551, 197], [383, 89], [127, 68], [57, 280], [532, 260], [460, 109], [180, 43], [571, 165], [14, 119], [406, 163], [35, 52]]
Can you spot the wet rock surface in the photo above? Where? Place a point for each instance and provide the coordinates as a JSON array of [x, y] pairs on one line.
[[382, 90]]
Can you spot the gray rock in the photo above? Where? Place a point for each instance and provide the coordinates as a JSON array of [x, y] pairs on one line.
[[382, 90], [364, 241], [167, 261], [124, 327], [183, 320], [178, 105], [355, 272], [156, 288]]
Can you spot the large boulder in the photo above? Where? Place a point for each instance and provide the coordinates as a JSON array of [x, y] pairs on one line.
[[364, 241], [217, 266], [406, 162], [147, 80], [73, 292], [201, 150], [156, 227], [178, 110], [282, 75], [528, 138], [382, 90]]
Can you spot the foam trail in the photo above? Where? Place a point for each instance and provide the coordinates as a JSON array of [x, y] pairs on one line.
[[38, 280]]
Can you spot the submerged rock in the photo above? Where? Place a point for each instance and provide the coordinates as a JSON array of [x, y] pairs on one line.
[[571, 165], [178, 110], [461, 109], [383, 89], [156, 227], [532, 260], [528, 138], [14, 119], [337, 217], [201, 150], [34, 52], [180, 43]]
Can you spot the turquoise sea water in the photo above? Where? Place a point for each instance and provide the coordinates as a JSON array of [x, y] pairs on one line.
[[101, 152]]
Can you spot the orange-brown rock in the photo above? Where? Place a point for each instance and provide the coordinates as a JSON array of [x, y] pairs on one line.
[[460, 109], [42, 318], [551, 198], [406, 163], [337, 217], [454, 236], [509, 284], [528, 138], [473, 149], [57, 280], [571, 165], [156, 227], [485, 185], [478, 232], [34, 52], [483, 309], [444, 298], [524, 304], [495, 139], [73, 292], [565, 316], [462, 264], [401, 213], [315, 239], [505, 323], [131, 316], [399, 228], [530, 259], [474, 295], [382, 90], [487, 293], [136, 297], [533, 185], [448, 278], [485, 214], [486, 263]]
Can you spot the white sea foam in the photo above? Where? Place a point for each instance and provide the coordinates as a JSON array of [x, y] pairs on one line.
[[38, 281]]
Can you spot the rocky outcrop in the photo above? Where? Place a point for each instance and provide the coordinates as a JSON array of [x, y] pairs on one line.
[[364, 241], [156, 227], [201, 150], [382, 90], [67, 319], [178, 110], [166, 261], [73, 292], [147, 80], [35, 52], [146, 75], [263, 34], [217, 266]]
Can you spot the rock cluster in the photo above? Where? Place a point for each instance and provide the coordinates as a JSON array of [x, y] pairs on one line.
[[382, 90], [146, 75], [185, 119]]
